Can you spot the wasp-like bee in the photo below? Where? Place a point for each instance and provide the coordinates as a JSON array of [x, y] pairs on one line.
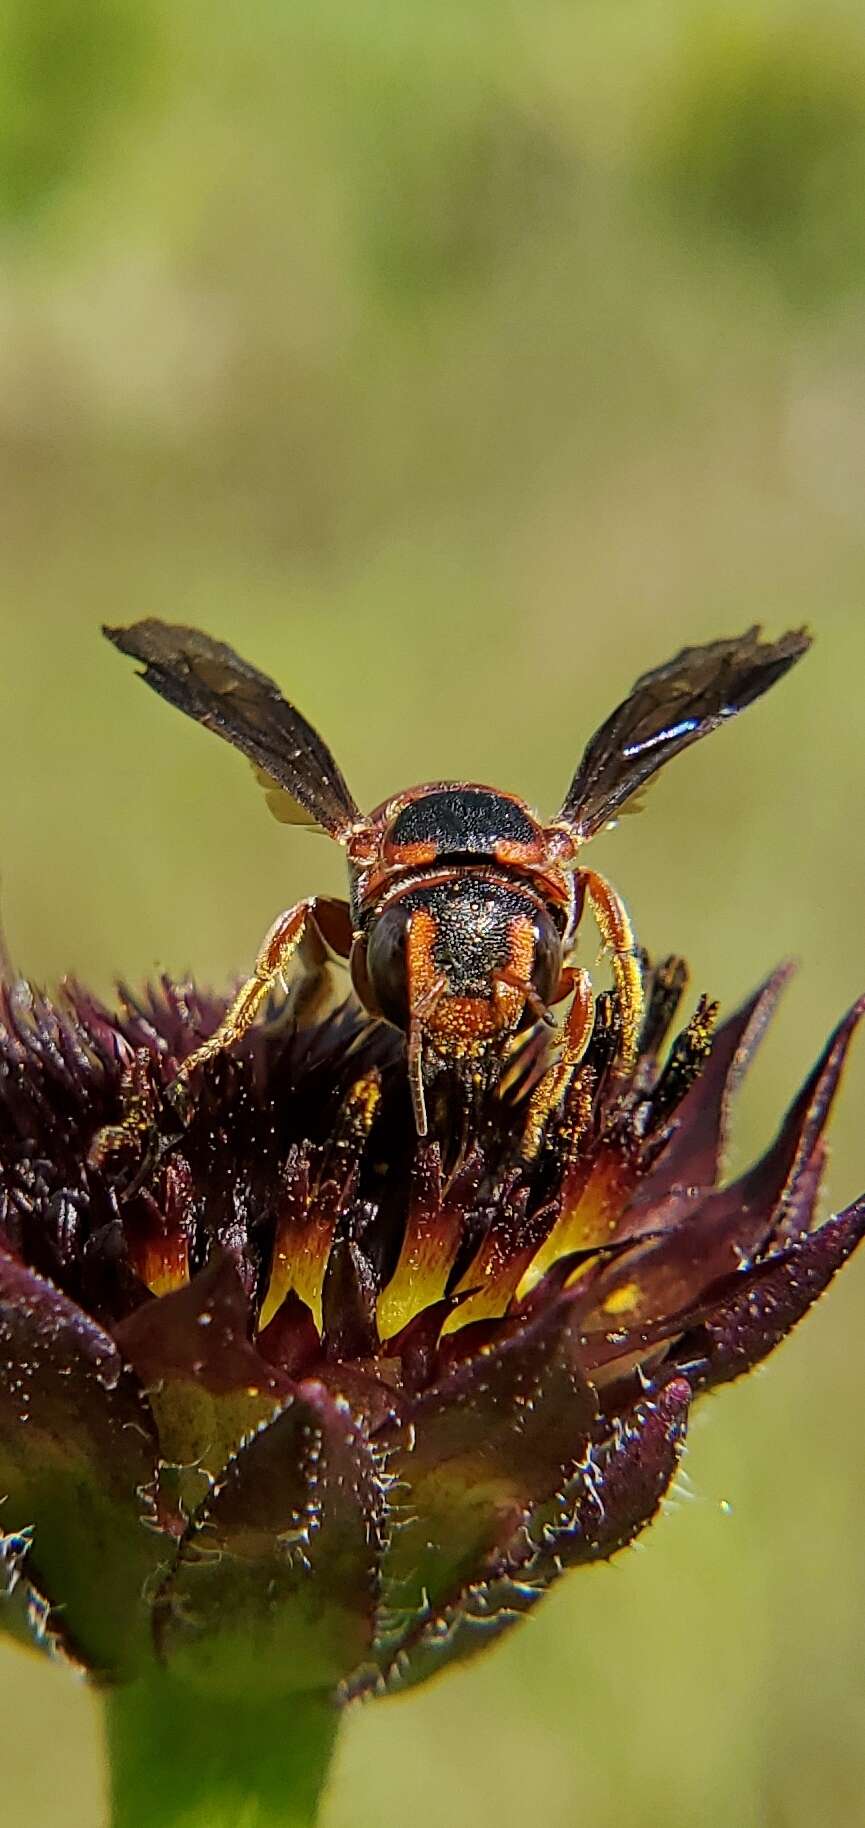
[[463, 905]]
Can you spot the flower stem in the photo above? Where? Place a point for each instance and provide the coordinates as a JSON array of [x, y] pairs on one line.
[[183, 1757]]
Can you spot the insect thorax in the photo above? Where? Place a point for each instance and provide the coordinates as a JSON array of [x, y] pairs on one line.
[[462, 821]]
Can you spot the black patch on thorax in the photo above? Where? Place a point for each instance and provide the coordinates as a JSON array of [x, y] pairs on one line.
[[463, 821]]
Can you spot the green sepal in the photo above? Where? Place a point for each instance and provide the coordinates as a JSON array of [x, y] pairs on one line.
[[276, 1582], [77, 1471]]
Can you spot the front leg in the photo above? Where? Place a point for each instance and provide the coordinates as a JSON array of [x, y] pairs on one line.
[[325, 921], [575, 1038], [274, 957], [617, 934]]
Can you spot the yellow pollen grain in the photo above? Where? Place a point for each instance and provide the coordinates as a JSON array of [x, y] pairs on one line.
[[623, 1300], [363, 1100]]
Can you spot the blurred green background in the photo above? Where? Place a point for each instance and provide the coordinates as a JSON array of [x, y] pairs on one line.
[[457, 363]]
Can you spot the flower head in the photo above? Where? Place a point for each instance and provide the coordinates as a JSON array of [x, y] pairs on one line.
[[301, 1403]]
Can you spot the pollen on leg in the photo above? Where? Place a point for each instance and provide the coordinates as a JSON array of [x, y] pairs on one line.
[[618, 936], [553, 1087]]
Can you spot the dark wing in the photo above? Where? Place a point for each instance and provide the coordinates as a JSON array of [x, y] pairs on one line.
[[667, 710], [208, 681]]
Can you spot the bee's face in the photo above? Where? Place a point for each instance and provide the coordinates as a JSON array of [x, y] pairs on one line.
[[463, 942]]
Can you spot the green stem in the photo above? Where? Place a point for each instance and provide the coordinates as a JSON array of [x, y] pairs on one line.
[[182, 1757]]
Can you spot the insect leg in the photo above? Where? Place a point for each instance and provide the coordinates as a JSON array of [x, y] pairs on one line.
[[618, 936], [137, 1134], [274, 958], [506, 975], [576, 1035], [311, 991]]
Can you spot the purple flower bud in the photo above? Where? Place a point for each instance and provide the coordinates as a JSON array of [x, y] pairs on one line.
[[292, 1402]]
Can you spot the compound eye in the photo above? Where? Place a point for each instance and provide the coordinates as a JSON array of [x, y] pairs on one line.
[[547, 962], [386, 964]]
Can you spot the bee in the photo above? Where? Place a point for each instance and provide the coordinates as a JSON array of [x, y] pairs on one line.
[[464, 905]]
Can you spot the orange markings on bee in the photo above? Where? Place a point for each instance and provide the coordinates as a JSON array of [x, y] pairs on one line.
[[518, 856], [411, 856], [552, 886], [283, 935], [521, 937], [422, 969], [425, 987], [462, 1021], [512, 986]]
